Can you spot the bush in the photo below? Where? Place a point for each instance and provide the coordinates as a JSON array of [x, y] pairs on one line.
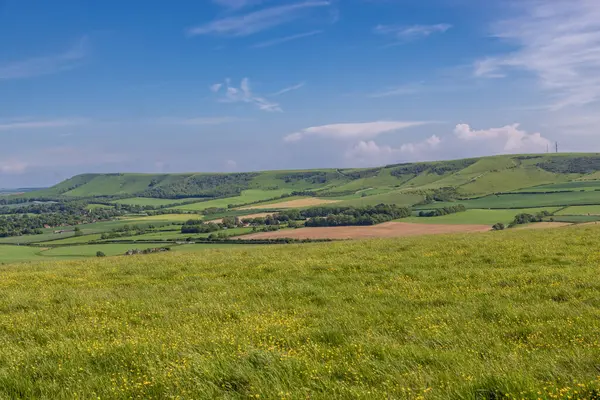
[[498, 227], [100, 254]]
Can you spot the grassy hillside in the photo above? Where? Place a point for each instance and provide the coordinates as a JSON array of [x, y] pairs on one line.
[[481, 316], [400, 183]]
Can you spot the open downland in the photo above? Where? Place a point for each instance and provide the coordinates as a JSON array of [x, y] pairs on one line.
[[543, 225], [388, 229], [300, 203], [503, 315]]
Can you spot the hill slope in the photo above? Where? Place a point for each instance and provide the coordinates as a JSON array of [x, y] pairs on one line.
[[467, 178]]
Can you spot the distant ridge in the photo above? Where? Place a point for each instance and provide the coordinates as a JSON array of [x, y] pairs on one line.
[[470, 177]]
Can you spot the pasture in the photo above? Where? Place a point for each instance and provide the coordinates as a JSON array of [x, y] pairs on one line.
[[476, 216], [523, 200], [247, 196], [580, 210], [496, 315], [146, 201]]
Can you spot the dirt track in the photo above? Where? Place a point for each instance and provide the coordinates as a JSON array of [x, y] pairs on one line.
[[292, 204], [388, 229]]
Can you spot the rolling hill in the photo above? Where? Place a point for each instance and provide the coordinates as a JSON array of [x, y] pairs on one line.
[[408, 183]]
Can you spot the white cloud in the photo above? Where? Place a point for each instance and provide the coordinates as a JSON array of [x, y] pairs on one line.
[[289, 89], [40, 124], [244, 94], [510, 138], [365, 130], [46, 65], [216, 87], [558, 42], [231, 165], [370, 153], [404, 33], [285, 39], [257, 21]]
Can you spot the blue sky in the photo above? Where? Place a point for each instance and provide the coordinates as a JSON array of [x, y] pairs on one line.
[[240, 85]]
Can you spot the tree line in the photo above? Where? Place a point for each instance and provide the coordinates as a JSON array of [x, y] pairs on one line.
[[25, 224], [438, 212]]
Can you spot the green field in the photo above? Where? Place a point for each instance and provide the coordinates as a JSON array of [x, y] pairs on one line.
[[146, 201], [99, 227], [12, 254], [576, 219], [580, 210], [482, 316], [527, 200], [588, 185], [248, 196], [484, 217], [177, 235], [396, 197]]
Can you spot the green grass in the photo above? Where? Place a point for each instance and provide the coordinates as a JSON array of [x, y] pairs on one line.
[[76, 239], [481, 316], [507, 180], [102, 185], [528, 200], [484, 217], [98, 227], [576, 219], [588, 185], [580, 210], [177, 235], [247, 196], [396, 197], [11, 254], [145, 201]]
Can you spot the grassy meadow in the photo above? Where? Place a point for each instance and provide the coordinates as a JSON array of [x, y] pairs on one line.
[[247, 196], [498, 315], [475, 216]]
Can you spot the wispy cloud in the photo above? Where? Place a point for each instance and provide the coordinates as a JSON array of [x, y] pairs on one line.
[[243, 94], [277, 41], [402, 90], [40, 124], [352, 131], [257, 21], [402, 34], [46, 65], [237, 4], [289, 89], [559, 43], [198, 121]]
